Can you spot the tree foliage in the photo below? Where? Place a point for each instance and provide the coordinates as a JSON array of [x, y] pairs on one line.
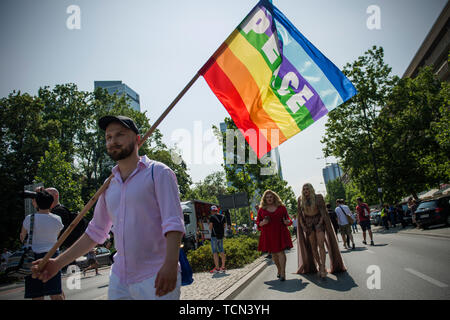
[[398, 125], [254, 179], [68, 119]]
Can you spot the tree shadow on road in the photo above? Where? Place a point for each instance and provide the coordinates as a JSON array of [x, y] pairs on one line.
[[289, 285], [344, 281]]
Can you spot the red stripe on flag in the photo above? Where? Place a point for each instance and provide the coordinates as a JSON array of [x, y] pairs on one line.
[[225, 91]]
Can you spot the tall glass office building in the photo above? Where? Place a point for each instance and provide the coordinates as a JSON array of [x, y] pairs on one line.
[[120, 89], [331, 172]]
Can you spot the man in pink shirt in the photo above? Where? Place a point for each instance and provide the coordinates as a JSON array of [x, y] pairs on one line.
[[142, 207]]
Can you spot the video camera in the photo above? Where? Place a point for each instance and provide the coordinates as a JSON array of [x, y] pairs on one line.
[[28, 194]]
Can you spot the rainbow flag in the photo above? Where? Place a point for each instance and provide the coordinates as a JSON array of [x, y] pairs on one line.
[[273, 82]]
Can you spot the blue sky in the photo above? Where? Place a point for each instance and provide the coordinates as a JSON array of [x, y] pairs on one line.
[[157, 46]]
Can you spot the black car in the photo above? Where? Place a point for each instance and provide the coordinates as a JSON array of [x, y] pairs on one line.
[[433, 212]]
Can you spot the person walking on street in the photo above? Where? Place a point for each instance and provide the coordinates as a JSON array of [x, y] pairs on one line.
[[343, 212], [92, 262], [392, 216], [363, 217], [412, 205], [400, 215], [294, 225], [46, 228], [333, 219], [314, 232], [275, 238], [217, 224], [142, 202], [384, 216], [355, 223]]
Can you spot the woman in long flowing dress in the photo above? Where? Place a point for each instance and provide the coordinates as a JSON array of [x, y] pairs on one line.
[[314, 231]]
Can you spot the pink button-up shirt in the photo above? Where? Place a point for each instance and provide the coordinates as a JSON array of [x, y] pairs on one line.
[[140, 211]]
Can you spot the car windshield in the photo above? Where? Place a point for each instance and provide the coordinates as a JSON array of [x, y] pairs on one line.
[[427, 205]]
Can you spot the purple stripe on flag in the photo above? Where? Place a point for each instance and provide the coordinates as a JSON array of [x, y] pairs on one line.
[[314, 105]]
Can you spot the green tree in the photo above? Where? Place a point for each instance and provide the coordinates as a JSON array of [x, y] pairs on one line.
[[350, 128], [335, 190], [23, 140], [209, 189], [55, 171], [252, 178], [411, 132]]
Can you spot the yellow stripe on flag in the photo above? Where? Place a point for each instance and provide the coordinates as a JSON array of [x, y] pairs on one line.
[[262, 75]]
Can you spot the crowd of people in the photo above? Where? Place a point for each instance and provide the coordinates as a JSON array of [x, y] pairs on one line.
[[142, 203], [316, 226]]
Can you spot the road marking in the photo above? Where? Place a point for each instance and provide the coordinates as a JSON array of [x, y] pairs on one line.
[[427, 278], [370, 251], [103, 297]]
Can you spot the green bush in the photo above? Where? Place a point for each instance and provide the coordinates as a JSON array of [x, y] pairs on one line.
[[239, 251]]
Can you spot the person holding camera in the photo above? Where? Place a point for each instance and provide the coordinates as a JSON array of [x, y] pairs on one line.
[[46, 229], [272, 221]]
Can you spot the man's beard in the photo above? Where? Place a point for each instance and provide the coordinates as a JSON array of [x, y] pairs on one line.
[[123, 154]]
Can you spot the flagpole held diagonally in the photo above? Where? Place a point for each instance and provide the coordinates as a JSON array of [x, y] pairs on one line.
[[102, 189]]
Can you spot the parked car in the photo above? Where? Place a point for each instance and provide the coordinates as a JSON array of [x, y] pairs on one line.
[[102, 257], [375, 218], [433, 212]]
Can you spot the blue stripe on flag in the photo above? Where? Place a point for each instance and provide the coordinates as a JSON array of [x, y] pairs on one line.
[[335, 77]]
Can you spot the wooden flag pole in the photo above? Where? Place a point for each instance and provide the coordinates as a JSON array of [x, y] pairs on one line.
[[102, 189]]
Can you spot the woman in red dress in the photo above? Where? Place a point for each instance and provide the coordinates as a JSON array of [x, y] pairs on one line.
[[272, 221]]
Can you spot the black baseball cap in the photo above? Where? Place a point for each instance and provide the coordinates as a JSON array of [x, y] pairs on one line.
[[125, 121]]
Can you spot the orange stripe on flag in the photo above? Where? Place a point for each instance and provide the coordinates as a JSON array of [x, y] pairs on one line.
[[250, 93], [224, 89]]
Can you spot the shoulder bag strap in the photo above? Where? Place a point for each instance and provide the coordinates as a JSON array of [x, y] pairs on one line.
[[30, 237]]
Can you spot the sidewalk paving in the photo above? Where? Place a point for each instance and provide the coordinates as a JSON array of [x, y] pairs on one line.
[[208, 286]]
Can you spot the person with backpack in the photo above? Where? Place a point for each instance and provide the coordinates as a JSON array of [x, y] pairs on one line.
[[217, 224], [343, 212], [364, 219]]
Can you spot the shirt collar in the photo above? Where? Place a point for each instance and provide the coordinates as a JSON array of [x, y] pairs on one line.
[[144, 162]]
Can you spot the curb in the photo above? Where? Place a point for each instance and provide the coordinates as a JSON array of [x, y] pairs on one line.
[[242, 283], [237, 287], [417, 233], [428, 234]]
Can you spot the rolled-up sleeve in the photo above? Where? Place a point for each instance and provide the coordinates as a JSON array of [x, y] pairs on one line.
[[100, 225], [166, 190]]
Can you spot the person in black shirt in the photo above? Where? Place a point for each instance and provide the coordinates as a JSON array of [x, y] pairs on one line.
[[67, 217], [217, 224], [333, 218]]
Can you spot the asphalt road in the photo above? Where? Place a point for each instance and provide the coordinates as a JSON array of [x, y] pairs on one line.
[[91, 287], [409, 267]]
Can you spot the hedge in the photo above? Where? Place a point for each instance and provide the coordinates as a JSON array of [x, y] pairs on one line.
[[239, 251]]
